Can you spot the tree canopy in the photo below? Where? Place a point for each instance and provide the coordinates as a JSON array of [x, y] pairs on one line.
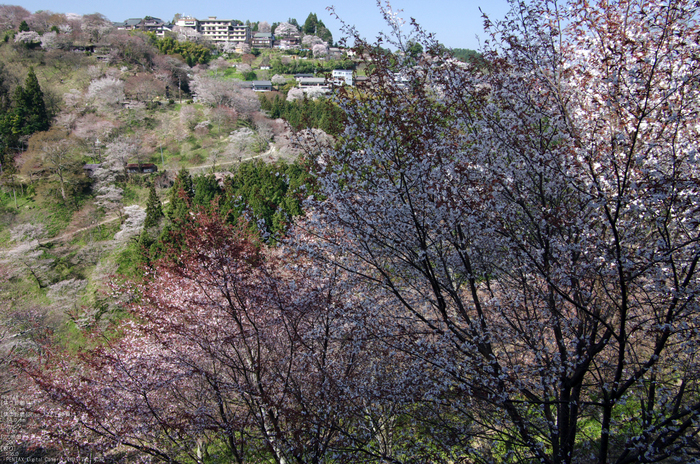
[[27, 113]]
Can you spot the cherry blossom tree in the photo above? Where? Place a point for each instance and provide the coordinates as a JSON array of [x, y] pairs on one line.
[[119, 152], [109, 197], [229, 344], [242, 140], [264, 26], [218, 65], [91, 129], [320, 50], [222, 115], [225, 92], [243, 48], [95, 26], [286, 30], [27, 37], [106, 91], [41, 21], [295, 93], [530, 231], [55, 154], [244, 68], [278, 79], [311, 40], [144, 87], [48, 41], [132, 225], [314, 93], [186, 34]]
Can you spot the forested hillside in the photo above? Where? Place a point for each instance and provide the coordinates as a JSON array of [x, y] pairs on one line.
[[491, 259], [82, 102], [84, 109]]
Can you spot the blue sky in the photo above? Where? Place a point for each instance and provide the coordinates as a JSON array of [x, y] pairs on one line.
[[456, 23]]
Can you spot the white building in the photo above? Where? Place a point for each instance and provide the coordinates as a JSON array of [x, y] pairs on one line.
[[342, 76], [219, 31]]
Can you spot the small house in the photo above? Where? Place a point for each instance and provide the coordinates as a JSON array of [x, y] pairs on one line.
[[262, 86], [144, 168]]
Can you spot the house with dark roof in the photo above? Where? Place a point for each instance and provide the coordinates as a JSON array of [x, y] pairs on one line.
[[135, 168], [148, 24], [262, 86], [128, 25], [263, 40]]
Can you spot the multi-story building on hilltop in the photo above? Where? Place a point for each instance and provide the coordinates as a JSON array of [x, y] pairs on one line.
[[219, 31], [148, 24]]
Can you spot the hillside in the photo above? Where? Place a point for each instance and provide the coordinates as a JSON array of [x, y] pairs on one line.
[[494, 260], [65, 229]]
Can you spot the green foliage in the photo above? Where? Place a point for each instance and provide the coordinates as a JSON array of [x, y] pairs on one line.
[[249, 76], [192, 53], [324, 33], [5, 100], [151, 225], [269, 194], [181, 195], [468, 56], [302, 114], [206, 189], [154, 210], [414, 50], [310, 24], [129, 260], [309, 66], [27, 112], [23, 26], [37, 118]]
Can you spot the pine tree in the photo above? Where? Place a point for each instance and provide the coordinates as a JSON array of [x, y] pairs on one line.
[[206, 189], [154, 210], [34, 108], [23, 26], [4, 89], [149, 236], [181, 196], [27, 114], [310, 24]]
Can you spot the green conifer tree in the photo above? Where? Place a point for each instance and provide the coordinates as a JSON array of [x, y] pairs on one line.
[[5, 99], [33, 106], [154, 210], [23, 26], [149, 236], [181, 196], [310, 24], [206, 189], [27, 113]]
